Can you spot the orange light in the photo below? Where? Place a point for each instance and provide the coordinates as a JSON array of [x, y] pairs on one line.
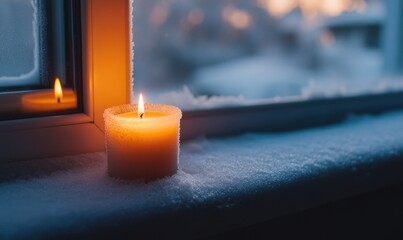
[[58, 90], [334, 8], [278, 8], [236, 17], [140, 110]]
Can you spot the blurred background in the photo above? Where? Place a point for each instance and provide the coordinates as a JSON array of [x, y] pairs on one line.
[[209, 53]]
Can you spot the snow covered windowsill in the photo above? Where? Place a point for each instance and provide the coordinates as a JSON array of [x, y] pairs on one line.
[[221, 184]]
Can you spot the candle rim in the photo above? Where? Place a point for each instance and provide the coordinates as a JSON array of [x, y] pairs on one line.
[[173, 113]]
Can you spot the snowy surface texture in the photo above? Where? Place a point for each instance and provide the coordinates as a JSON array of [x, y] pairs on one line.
[[56, 195]]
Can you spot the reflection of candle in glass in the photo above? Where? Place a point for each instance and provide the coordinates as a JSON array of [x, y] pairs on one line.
[[142, 140], [58, 90], [47, 100]]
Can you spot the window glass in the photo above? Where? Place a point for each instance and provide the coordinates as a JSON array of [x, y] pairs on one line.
[[40, 60], [207, 53], [19, 58]]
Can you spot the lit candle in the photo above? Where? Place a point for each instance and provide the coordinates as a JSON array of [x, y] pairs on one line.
[[142, 141], [48, 100]]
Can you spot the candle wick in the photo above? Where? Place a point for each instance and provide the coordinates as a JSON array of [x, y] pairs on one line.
[[58, 100], [142, 115]]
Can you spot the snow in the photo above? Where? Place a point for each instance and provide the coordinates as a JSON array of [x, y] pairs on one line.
[[59, 195], [272, 75], [254, 78], [188, 101]]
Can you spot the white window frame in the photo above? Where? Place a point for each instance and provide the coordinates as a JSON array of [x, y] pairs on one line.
[[106, 59]]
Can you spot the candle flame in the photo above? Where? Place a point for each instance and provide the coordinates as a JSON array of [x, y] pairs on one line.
[[140, 110], [58, 90]]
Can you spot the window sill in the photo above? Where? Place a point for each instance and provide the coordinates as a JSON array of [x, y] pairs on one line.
[[222, 183]]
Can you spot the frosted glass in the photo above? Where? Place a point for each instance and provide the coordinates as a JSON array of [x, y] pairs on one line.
[[207, 53], [18, 42]]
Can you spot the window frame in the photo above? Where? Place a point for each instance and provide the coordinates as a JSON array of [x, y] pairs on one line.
[[59, 58], [107, 32], [285, 116], [51, 136], [51, 40]]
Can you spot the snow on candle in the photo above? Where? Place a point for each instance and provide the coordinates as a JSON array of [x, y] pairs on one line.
[[142, 140]]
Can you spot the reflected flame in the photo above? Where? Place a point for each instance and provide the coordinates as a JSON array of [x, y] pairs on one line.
[[140, 110], [58, 90]]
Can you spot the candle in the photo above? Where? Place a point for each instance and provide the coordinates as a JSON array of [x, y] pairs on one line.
[[49, 100], [142, 141]]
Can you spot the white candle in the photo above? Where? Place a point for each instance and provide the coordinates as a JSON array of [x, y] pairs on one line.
[[142, 141]]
